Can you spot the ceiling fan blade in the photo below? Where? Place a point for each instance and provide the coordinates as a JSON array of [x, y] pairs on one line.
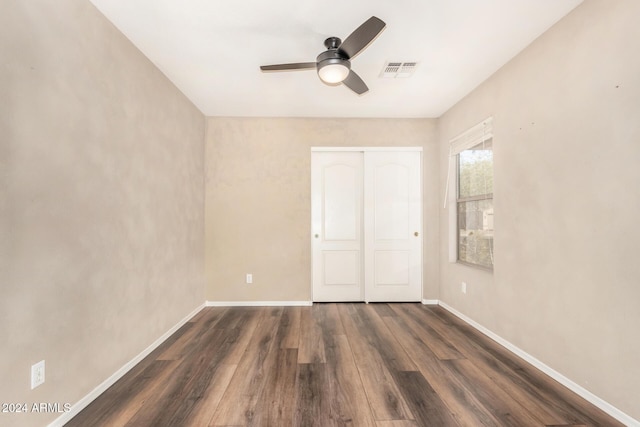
[[289, 67], [361, 37], [355, 83]]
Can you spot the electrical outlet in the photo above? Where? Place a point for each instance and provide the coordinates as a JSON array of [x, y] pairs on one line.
[[463, 287], [37, 374], [249, 278]]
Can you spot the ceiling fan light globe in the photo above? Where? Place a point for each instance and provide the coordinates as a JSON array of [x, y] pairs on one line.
[[333, 73]]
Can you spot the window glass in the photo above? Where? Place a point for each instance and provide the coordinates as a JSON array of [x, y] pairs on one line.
[[475, 171], [475, 232]]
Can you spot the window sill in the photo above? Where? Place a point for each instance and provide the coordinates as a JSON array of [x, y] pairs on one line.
[[476, 266]]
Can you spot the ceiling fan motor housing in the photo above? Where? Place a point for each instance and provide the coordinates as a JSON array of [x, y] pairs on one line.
[[332, 57], [335, 60]]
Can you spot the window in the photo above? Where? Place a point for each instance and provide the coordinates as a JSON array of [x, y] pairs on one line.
[[474, 205], [470, 206]]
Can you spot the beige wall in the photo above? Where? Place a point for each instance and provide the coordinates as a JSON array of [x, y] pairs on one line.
[[567, 155], [101, 202], [258, 199]]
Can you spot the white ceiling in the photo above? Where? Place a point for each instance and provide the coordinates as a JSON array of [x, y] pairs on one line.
[[212, 50]]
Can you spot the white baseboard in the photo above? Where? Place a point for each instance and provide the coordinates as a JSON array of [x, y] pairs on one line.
[[576, 388], [257, 303], [430, 301], [85, 401]]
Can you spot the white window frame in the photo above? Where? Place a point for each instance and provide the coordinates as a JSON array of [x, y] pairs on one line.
[[477, 134]]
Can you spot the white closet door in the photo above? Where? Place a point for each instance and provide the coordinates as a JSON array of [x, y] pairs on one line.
[[336, 181], [393, 226]]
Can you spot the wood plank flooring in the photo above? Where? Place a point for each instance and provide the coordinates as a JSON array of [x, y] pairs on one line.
[[379, 365]]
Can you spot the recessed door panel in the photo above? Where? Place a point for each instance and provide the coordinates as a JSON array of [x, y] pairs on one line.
[[341, 210], [391, 204], [391, 268], [342, 268]]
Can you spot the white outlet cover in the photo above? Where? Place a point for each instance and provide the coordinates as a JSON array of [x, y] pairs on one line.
[[37, 374]]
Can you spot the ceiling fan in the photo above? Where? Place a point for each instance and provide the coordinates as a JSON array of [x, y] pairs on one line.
[[334, 64]]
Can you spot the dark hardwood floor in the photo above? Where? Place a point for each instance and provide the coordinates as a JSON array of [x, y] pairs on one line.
[[383, 365]]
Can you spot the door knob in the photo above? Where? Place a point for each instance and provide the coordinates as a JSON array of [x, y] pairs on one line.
[[416, 234], [316, 236]]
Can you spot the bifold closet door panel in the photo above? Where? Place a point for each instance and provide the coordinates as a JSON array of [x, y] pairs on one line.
[[336, 190], [392, 226]]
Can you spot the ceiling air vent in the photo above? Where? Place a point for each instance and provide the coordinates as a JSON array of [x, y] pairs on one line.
[[393, 70]]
